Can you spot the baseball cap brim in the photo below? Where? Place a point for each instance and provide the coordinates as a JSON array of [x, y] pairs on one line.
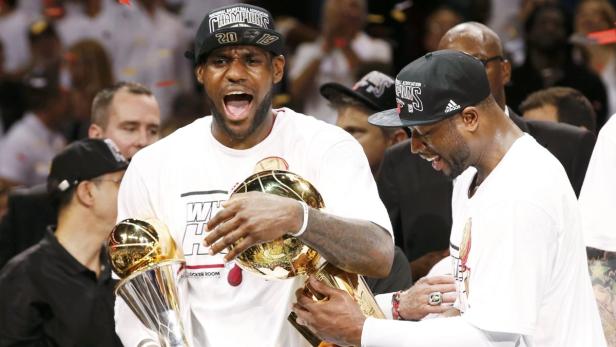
[[328, 90], [391, 119]]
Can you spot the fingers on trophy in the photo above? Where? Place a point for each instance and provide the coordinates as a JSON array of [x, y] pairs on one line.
[[288, 256]]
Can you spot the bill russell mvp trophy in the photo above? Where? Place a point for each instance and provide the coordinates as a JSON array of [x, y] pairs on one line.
[[288, 257], [143, 254]]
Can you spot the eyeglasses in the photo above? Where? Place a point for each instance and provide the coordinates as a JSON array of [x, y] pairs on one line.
[[486, 61]]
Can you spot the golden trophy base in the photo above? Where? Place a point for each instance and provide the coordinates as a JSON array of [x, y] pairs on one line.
[[353, 284]]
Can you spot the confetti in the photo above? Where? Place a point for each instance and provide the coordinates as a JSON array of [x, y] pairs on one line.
[[167, 83]]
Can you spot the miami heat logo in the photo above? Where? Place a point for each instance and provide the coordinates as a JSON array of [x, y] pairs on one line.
[[465, 249], [465, 246]]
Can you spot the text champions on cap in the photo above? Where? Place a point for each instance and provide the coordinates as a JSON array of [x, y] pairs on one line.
[[409, 91], [238, 15]]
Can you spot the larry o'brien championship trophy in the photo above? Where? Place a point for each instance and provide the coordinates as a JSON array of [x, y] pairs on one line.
[[288, 257], [143, 254]]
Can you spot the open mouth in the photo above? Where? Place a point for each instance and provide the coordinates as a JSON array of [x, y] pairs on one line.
[[237, 104], [435, 160]]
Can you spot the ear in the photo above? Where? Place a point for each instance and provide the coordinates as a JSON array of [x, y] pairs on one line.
[[470, 119], [84, 194], [95, 131], [278, 67], [506, 71], [398, 136], [199, 73]]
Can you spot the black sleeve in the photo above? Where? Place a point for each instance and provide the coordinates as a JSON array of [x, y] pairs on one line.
[[581, 160], [388, 192], [7, 239], [399, 278]]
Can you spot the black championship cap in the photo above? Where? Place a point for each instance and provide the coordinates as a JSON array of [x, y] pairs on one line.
[[84, 160], [434, 87], [233, 25], [375, 90]]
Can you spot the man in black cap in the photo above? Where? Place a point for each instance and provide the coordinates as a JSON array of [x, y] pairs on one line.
[[372, 93], [185, 181], [59, 292], [517, 246]]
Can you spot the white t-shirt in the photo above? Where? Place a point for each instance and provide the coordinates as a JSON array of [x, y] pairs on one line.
[[518, 252], [183, 178], [150, 51], [598, 194], [27, 149], [14, 37], [334, 68]]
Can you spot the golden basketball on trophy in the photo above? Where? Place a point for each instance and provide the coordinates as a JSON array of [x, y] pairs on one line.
[[288, 256], [144, 255]]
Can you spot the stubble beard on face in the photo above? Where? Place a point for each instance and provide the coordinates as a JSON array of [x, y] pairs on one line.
[[260, 115], [459, 156]]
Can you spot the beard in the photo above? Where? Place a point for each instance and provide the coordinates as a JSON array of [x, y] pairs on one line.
[[458, 161], [260, 115]]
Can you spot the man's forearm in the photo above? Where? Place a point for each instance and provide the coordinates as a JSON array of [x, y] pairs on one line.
[[353, 245]]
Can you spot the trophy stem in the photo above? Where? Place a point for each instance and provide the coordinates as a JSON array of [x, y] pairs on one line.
[[154, 294]]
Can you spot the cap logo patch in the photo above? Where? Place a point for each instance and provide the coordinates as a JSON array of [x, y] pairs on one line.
[[410, 92], [451, 106], [267, 39], [374, 83], [238, 16], [115, 150]]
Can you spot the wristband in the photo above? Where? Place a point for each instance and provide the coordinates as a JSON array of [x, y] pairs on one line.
[[305, 221], [395, 304]]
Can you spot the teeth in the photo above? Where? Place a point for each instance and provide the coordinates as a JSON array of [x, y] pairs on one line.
[[430, 158], [236, 93]]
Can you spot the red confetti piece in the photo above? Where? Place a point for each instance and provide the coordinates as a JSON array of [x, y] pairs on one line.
[[603, 37], [167, 83], [124, 2]]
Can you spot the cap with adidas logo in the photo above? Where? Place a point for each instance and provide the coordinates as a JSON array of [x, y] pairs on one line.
[[434, 87]]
